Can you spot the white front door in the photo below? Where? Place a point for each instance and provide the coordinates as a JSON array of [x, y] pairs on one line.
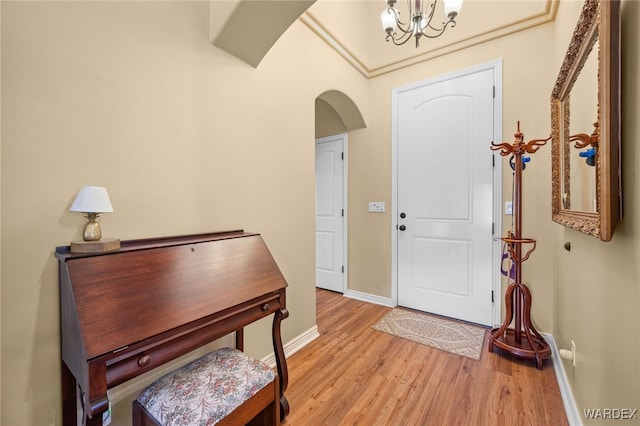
[[330, 213], [445, 196]]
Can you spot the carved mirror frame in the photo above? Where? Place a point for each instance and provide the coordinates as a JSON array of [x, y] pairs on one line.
[[597, 27]]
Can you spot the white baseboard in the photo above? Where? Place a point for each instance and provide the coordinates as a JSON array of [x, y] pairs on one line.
[[371, 298], [570, 407], [294, 345]]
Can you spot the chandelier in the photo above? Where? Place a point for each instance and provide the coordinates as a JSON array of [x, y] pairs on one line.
[[420, 24]]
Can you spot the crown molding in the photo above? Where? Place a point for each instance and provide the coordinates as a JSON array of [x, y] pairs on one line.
[[359, 63]]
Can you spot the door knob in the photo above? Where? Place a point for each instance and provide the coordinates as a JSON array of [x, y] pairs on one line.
[[403, 215], [402, 227]]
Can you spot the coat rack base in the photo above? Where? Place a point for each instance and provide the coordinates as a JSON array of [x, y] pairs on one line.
[[530, 345], [517, 335]]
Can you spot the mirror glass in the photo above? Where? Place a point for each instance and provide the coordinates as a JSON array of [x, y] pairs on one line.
[[585, 120], [582, 103]]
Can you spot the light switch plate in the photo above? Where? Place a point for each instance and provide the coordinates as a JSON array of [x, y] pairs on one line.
[[508, 207], [376, 207]]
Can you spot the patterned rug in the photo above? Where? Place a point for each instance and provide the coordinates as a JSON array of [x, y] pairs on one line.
[[448, 335]]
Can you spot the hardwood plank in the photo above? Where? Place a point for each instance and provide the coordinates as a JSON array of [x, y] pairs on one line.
[[355, 375]]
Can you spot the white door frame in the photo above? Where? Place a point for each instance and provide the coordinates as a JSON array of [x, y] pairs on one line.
[[496, 66], [345, 274]]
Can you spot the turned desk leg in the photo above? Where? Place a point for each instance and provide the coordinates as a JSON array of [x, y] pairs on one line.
[[281, 361]]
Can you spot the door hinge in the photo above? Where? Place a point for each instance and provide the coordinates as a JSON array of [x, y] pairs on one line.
[[342, 156], [493, 228], [493, 159], [343, 269], [494, 92], [342, 212], [493, 298]]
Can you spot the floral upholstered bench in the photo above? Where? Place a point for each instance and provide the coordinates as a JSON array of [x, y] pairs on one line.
[[224, 387]]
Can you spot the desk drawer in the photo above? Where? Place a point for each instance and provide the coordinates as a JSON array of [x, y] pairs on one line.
[[134, 360]]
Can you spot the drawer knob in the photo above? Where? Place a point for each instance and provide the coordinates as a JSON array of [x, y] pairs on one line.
[[266, 307], [144, 360]]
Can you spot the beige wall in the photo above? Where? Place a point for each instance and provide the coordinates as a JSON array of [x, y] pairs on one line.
[[132, 96], [598, 286]]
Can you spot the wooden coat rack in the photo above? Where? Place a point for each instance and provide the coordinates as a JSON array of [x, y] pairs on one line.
[[523, 340]]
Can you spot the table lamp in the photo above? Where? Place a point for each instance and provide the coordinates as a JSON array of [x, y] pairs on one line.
[[93, 200]]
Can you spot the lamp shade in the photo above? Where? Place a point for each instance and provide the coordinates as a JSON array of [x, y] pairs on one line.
[[388, 19], [92, 199], [452, 8]]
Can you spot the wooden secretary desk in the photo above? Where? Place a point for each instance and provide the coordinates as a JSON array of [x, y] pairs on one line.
[[125, 312]]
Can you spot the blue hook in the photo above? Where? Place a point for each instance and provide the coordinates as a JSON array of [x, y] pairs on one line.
[[525, 160], [590, 155]]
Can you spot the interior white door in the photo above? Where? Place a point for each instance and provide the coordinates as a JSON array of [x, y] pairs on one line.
[[330, 213], [445, 197]]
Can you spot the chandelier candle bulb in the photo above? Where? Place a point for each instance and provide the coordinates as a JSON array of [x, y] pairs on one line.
[[388, 18], [452, 8]]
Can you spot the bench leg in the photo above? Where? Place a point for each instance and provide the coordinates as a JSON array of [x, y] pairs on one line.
[[141, 416], [270, 415]]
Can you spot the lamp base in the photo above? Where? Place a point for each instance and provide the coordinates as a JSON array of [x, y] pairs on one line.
[[104, 245]]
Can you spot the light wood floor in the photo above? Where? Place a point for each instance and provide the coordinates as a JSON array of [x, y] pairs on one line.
[[354, 375]]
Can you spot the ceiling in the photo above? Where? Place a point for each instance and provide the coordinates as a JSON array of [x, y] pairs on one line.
[[352, 28]]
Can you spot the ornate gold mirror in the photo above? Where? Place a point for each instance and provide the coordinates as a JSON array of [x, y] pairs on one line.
[[585, 120]]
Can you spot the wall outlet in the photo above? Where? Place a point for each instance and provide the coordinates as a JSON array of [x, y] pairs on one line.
[[376, 207]]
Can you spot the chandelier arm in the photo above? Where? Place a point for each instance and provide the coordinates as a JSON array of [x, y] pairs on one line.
[[410, 7], [405, 27], [400, 40], [444, 25], [438, 31], [432, 10], [404, 30]]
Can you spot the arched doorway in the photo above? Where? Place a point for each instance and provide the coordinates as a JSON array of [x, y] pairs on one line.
[[336, 114]]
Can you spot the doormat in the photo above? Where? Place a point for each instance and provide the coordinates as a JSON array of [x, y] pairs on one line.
[[448, 335]]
